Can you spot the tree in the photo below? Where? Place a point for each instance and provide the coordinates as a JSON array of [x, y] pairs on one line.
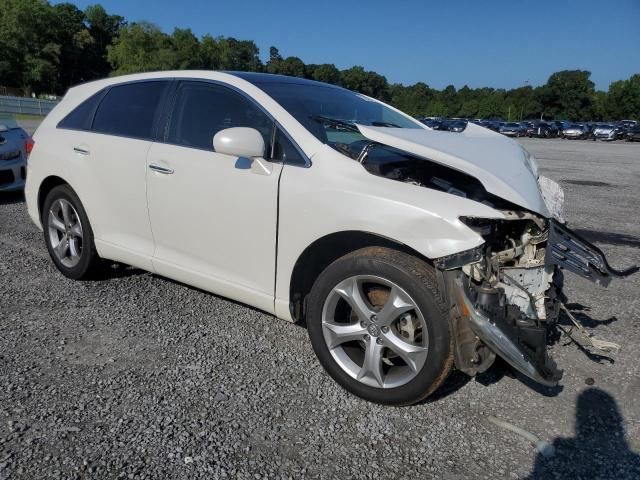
[[186, 49], [623, 101], [103, 28], [30, 57], [326, 72], [141, 47], [569, 94]]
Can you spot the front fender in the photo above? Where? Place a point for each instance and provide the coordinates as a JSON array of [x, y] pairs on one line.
[[337, 194]]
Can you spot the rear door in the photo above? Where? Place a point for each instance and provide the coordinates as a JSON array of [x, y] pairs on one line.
[[113, 155], [214, 219]]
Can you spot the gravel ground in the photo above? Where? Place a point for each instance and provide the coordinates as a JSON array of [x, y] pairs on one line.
[[136, 376]]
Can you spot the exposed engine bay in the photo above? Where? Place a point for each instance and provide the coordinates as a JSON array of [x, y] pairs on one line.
[[506, 295]]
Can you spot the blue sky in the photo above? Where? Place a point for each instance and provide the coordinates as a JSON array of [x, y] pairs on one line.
[[478, 43]]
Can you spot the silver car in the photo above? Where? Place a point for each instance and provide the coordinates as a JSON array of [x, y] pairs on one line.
[[605, 132], [14, 146]]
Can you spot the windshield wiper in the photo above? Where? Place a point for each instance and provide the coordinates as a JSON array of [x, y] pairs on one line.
[[385, 124], [336, 122]]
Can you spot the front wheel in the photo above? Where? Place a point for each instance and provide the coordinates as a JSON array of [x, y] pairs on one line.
[[379, 326]]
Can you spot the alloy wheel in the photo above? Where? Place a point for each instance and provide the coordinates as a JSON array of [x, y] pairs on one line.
[[375, 331], [65, 232]]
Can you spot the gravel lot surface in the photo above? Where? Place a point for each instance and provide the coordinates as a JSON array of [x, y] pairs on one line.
[[136, 376]]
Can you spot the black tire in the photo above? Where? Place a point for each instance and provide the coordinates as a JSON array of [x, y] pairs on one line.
[[415, 277], [89, 263]]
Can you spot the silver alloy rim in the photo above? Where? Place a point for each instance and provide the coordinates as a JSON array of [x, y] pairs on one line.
[[381, 343], [65, 232]]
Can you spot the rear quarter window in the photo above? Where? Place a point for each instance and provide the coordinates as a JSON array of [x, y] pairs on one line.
[[129, 110], [81, 117]]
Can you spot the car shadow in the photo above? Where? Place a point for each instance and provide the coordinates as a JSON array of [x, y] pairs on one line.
[[8, 198], [609, 238], [500, 369], [111, 271], [599, 448]]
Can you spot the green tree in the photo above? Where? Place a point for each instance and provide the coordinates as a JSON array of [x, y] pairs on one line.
[[569, 94], [29, 55], [623, 101], [326, 72], [103, 28], [186, 49], [141, 47]]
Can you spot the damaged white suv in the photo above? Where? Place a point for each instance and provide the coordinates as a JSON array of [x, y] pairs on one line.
[[405, 251]]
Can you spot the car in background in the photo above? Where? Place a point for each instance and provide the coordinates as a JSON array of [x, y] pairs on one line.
[[633, 134], [575, 131], [433, 123], [15, 145], [542, 130], [606, 132], [512, 129], [454, 125]]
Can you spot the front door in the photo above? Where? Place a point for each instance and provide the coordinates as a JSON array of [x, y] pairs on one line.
[[213, 218]]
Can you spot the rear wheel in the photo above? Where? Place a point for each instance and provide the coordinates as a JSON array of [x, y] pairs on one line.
[[68, 234], [379, 326]]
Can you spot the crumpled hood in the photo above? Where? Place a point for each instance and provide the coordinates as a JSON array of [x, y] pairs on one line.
[[499, 163]]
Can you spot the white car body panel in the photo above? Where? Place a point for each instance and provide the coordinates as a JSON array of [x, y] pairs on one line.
[[214, 226], [498, 162], [215, 221]]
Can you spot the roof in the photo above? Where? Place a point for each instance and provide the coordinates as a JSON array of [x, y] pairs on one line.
[[258, 78]]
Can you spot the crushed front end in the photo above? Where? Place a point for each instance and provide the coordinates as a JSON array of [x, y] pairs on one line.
[[507, 293]]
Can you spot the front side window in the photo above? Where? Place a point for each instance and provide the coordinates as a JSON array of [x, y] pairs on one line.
[[285, 151], [203, 109], [130, 110]]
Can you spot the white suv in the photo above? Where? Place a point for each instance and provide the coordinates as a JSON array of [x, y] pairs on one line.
[[404, 250]]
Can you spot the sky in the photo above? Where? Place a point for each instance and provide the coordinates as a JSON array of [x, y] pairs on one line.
[[501, 44]]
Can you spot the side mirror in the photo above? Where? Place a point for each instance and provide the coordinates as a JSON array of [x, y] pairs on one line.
[[239, 142]]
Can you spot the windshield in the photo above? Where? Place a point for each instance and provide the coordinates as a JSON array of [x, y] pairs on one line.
[[331, 113], [512, 125]]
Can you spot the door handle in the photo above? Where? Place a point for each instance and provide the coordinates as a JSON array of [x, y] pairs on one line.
[[159, 169], [81, 151]]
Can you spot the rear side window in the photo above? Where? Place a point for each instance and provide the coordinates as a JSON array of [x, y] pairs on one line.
[[202, 109], [129, 110], [80, 118]]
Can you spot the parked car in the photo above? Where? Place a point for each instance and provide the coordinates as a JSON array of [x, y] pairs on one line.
[[454, 125], [512, 129], [434, 123], [605, 132], [542, 130], [575, 131], [14, 147], [633, 134], [399, 247]]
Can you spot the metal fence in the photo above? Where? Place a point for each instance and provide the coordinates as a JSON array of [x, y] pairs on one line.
[[31, 106]]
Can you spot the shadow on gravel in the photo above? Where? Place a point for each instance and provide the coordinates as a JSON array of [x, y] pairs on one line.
[[7, 198], [501, 369], [116, 270], [587, 183], [599, 449], [609, 238]]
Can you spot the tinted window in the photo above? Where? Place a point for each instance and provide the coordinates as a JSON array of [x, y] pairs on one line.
[[80, 118], [285, 151], [202, 110], [129, 110]]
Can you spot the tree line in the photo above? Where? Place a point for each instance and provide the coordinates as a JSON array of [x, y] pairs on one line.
[[47, 48]]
